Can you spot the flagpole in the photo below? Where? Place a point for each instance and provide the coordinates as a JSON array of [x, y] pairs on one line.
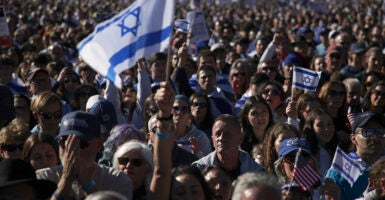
[[168, 66]]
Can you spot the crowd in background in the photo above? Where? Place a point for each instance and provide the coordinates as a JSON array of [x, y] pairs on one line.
[[225, 123]]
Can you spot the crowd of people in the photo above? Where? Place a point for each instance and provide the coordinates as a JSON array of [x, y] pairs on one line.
[[224, 123]]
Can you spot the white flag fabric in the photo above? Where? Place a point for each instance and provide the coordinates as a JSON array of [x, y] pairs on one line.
[[346, 166], [138, 31], [305, 79], [182, 25]]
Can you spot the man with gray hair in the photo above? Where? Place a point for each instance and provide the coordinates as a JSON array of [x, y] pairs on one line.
[[256, 186]]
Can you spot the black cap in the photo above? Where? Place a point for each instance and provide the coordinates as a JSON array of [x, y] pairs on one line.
[[363, 118]]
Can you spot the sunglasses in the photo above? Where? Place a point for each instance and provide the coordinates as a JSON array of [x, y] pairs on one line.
[[337, 93], [134, 161], [85, 94], [267, 68], [272, 92], [379, 133], [154, 110], [62, 142], [182, 109], [379, 93], [73, 80], [50, 115], [12, 147], [199, 104], [369, 84], [336, 56], [240, 74]]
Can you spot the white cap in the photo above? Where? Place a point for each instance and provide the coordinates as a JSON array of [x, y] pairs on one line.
[[94, 99]]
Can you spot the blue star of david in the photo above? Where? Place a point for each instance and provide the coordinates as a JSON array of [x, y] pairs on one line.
[[131, 15], [306, 79], [347, 167]]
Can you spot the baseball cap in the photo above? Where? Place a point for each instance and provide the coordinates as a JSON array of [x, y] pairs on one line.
[[217, 46], [93, 99], [357, 48], [105, 112], [33, 71], [292, 144], [363, 118], [80, 123]]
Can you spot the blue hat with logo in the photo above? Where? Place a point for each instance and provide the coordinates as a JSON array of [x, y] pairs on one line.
[[292, 144], [105, 112], [80, 123]]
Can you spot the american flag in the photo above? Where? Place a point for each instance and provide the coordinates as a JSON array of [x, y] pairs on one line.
[[351, 116], [304, 175]]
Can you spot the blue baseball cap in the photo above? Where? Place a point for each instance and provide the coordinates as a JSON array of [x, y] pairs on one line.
[[105, 112], [80, 123], [292, 144], [363, 118]]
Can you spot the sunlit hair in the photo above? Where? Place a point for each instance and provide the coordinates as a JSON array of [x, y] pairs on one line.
[[269, 152]]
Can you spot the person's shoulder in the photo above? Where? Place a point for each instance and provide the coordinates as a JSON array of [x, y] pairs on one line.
[[248, 163]]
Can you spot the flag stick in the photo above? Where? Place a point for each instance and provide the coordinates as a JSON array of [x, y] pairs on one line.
[[168, 65]]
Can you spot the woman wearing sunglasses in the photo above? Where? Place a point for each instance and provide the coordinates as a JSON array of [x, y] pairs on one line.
[[135, 159], [47, 110], [12, 138], [273, 93], [200, 109], [188, 136]]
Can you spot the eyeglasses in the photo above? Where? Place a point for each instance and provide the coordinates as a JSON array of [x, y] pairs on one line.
[[85, 94], [336, 56], [62, 141], [133, 161], [379, 133], [272, 92], [199, 104], [271, 68], [369, 84], [73, 80], [11, 147], [50, 115], [154, 110], [337, 93], [379, 93], [182, 109], [239, 74]]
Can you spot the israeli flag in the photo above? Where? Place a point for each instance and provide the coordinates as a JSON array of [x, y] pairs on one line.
[[346, 166], [182, 25], [116, 44], [305, 79]]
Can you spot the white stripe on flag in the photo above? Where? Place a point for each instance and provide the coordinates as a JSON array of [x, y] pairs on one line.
[[138, 31], [305, 79], [346, 166]]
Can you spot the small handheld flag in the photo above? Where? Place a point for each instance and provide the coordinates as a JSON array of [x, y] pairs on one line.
[[346, 166], [304, 175], [305, 79], [182, 25]]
